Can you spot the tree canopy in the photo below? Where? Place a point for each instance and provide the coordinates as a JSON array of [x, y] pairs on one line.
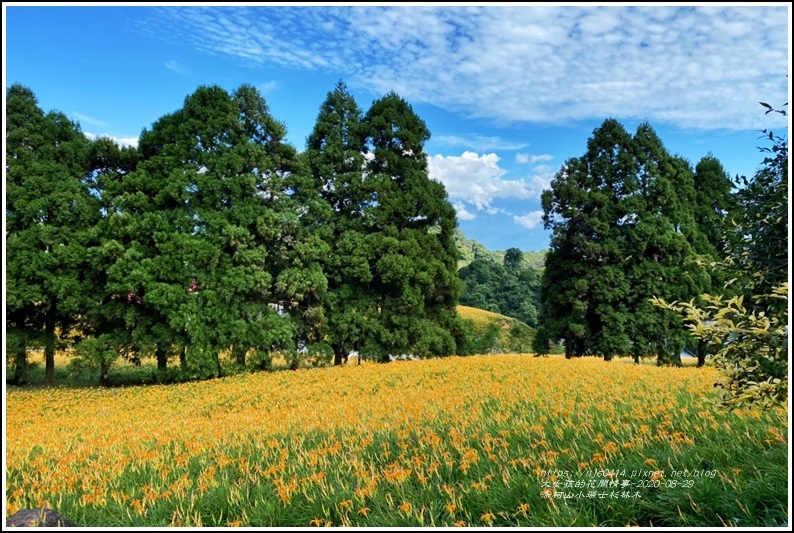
[[50, 216], [623, 230], [392, 283], [215, 236]]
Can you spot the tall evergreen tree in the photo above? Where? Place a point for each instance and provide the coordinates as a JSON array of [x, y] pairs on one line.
[[393, 284], [335, 157], [411, 225], [49, 215], [749, 331], [623, 227], [715, 204], [659, 246], [211, 234], [584, 281]]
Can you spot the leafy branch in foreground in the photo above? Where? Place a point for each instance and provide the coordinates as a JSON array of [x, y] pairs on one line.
[[752, 338], [753, 353]]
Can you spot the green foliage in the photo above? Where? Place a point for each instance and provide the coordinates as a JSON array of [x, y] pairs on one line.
[[623, 229], [392, 283], [753, 353], [50, 219], [210, 240], [471, 249], [750, 330], [491, 333], [512, 291], [96, 356]]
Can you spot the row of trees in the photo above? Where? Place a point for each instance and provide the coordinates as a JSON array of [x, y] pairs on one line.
[[215, 235], [649, 255], [629, 221]]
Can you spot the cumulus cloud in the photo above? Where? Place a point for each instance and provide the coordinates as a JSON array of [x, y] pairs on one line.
[[688, 66], [531, 159], [461, 211], [540, 180], [121, 141], [475, 179], [530, 220]]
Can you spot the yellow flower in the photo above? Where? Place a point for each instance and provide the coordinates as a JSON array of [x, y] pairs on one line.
[[363, 511], [405, 507], [450, 507], [488, 517]]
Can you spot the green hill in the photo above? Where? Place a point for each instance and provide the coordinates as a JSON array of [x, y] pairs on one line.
[[471, 249], [494, 333]]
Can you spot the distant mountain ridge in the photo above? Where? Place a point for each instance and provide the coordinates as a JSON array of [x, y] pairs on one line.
[[471, 249]]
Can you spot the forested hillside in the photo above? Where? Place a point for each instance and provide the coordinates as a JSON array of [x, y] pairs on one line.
[[471, 249]]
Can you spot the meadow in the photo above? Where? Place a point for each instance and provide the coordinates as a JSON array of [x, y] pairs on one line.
[[498, 440]]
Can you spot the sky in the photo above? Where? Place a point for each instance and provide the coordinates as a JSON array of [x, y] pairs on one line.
[[508, 92]]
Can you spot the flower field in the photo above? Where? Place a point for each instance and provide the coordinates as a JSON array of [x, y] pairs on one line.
[[477, 441]]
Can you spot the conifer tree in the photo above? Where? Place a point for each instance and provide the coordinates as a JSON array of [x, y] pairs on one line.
[[213, 256], [50, 213], [624, 229]]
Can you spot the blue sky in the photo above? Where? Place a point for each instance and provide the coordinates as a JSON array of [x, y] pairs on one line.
[[508, 92]]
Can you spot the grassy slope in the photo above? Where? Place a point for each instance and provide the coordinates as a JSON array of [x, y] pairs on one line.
[[498, 333]]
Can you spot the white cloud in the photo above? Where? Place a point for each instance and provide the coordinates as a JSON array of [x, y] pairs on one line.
[[478, 143], [121, 141], [174, 66], [530, 159], [267, 87], [688, 66], [461, 211], [539, 181], [530, 220], [475, 179], [88, 120]]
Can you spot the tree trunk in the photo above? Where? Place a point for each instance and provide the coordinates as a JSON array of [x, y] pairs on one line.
[[218, 364], [636, 359], [239, 355], [162, 358], [607, 357], [183, 358], [339, 355], [104, 374], [49, 346], [702, 352], [568, 349], [21, 365]]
